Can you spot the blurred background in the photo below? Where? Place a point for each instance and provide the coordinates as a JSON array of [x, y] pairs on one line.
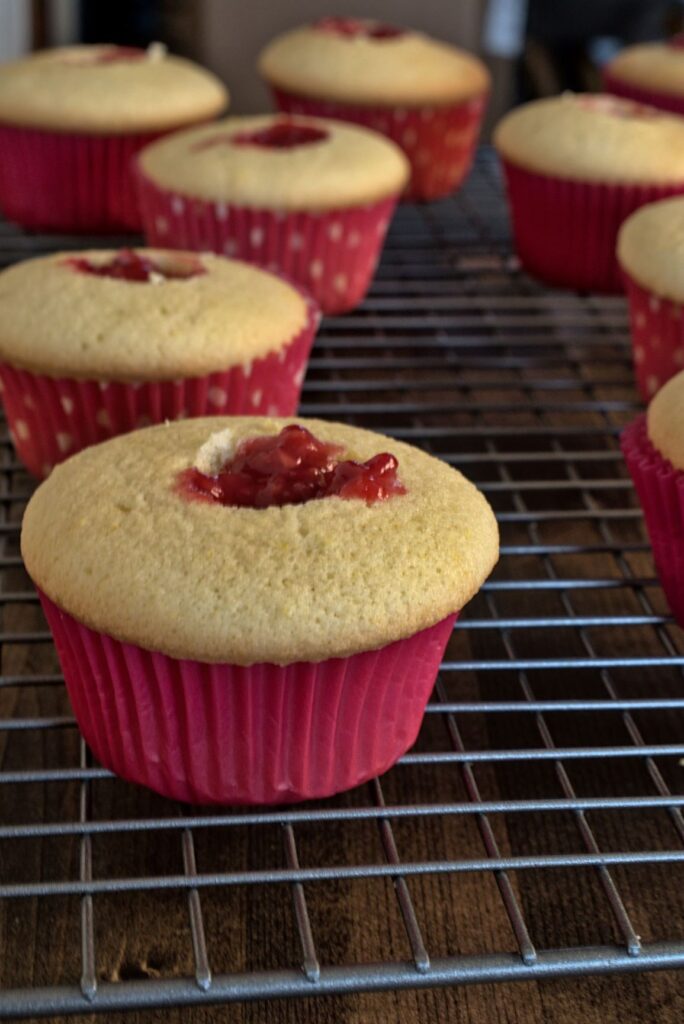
[[533, 47]]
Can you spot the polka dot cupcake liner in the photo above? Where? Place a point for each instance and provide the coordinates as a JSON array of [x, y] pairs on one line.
[[565, 231], [332, 254], [651, 97], [661, 492], [62, 181], [657, 326], [51, 418], [264, 734], [439, 141]]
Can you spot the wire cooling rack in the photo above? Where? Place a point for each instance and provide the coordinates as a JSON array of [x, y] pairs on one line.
[[535, 829]]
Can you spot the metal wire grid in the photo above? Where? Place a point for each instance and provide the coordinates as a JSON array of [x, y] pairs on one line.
[[555, 725]]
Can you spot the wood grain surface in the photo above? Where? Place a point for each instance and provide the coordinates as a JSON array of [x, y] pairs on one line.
[[248, 928]]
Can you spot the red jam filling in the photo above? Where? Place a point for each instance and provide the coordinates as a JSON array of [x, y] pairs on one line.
[[109, 55], [677, 41], [617, 106], [128, 265], [114, 54], [358, 27], [290, 468], [281, 135]]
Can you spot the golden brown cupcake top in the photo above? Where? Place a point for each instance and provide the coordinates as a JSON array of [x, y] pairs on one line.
[[366, 62], [107, 89], [651, 247], [658, 66], [598, 138], [194, 313], [111, 540], [665, 421], [325, 164]]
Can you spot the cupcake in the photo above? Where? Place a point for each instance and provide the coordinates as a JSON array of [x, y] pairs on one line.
[[253, 610], [649, 73], [576, 166], [310, 198], [425, 95], [72, 118], [653, 447], [651, 254], [98, 343]]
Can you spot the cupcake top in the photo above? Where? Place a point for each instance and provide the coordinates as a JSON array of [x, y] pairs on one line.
[[665, 421], [144, 314], [651, 247], [271, 161], [107, 89], [594, 138], [123, 538], [356, 60], [658, 66]]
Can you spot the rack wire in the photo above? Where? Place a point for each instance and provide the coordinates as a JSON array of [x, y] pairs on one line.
[[535, 829]]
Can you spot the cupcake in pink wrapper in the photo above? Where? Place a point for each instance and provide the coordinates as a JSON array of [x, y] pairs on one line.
[[651, 73], [426, 96], [576, 167], [71, 121], [310, 198], [653, 447], [253, 610], [651, 255], [97, 343]]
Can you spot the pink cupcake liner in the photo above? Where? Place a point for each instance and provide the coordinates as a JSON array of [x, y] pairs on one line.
[[51, 418], [566, 231], [439, 141], [657, 326], [332, 254], [64, 181], [651, 97], [661, 492], [222, 733]]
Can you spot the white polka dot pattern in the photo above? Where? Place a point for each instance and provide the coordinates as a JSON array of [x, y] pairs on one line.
[[657, 326], [316, 249], [439, 141], [51, 419]]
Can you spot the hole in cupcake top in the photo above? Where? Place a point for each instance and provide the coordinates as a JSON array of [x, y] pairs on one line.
[[114, 55], [358, 27], [616, 106], [129, 265], [288, 468], [280, 135]]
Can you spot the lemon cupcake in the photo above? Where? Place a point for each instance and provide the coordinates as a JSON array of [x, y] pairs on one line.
[[653, 447], [97, 343], [576, 166], [72, 118], [425, 95], [651, 254], [253, 610], [310, 198], [650, 73]]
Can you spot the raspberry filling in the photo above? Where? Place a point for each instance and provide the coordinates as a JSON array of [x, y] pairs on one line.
[[115, 54], [128, 265], [281, 135], [352, 27], [290, 468], [677, 41], [617, 106]]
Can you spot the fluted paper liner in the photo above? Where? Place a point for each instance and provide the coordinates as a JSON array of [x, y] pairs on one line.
[[265, 734], [661, 492]]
